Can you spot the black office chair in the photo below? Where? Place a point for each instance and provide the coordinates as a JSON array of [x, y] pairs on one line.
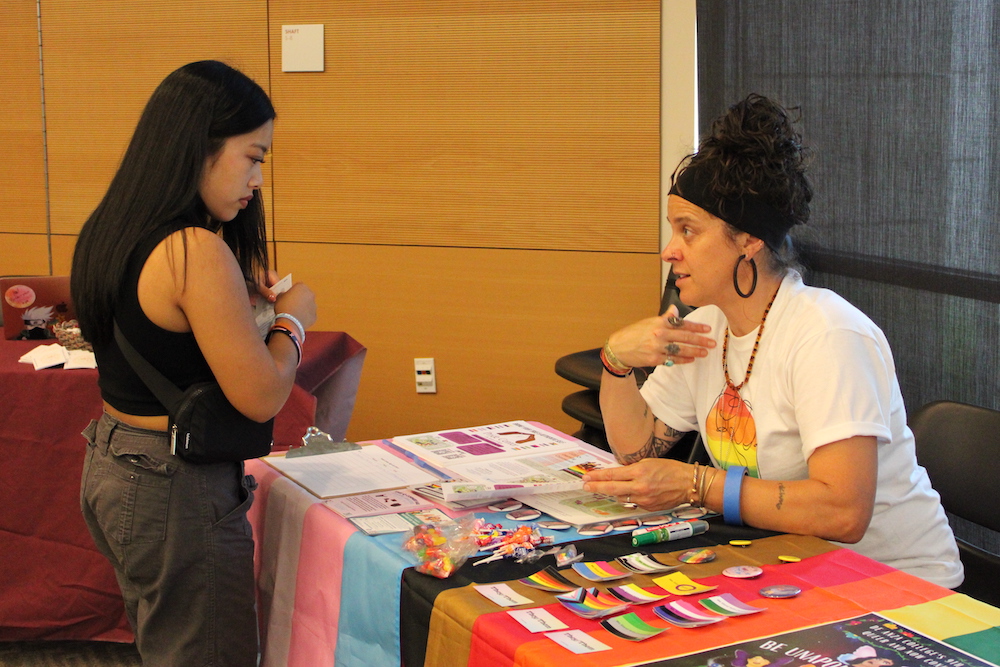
[[959, 445], [585, 368]]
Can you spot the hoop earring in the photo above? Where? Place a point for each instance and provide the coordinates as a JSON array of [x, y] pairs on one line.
[[736, 280]]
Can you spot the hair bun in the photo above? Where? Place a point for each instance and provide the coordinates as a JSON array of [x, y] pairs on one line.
[[755, 148]]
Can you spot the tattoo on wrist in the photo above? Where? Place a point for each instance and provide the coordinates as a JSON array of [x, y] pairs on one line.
[[781, 496], [656, 447]]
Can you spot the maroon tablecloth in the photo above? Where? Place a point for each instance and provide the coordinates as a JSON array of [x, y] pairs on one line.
[[53, 582]]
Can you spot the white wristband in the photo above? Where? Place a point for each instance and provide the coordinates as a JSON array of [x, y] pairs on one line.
[[301, 331]]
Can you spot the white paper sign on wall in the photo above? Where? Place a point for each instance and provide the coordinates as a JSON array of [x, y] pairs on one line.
[[302, 48]]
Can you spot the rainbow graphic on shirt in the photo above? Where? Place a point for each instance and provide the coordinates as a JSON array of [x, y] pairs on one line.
[[731, 432]]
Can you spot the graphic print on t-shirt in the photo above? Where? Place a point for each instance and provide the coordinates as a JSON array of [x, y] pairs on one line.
[[732, 433]]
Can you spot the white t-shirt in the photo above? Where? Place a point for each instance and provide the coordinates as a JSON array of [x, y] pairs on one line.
[[823, 372]]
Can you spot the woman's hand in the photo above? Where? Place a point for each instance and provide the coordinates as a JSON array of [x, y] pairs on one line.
[[653, 484], [262, 287], [299, 301], [655, 340]]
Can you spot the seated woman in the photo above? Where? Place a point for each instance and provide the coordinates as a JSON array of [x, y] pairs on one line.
[[787, 384]]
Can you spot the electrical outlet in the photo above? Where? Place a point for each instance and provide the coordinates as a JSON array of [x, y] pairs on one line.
[[426, 377]]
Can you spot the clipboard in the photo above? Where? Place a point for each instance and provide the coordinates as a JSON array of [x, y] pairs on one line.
[[365, 470]]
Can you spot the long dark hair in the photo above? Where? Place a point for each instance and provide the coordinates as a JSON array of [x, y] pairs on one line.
[[187, 119]]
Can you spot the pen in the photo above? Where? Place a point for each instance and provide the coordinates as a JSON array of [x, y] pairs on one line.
[[670, 532]]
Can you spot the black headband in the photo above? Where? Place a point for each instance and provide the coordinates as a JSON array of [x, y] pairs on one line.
[[749, 213]]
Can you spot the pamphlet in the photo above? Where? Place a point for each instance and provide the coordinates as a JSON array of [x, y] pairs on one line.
[[383, 502], [482, 443], [398, 523], [49, 356], [435, 493], [507, 459], [579, 507], [867, 640]]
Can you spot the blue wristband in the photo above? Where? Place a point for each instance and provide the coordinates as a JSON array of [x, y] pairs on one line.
[[731, 495]]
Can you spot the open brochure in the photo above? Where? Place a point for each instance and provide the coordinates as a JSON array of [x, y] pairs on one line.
[[507, 459]]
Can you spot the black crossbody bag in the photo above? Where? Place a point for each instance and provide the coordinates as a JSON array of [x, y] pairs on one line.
[[204, 426]]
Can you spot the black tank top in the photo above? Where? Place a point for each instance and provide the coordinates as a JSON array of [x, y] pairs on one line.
[[176, 355]]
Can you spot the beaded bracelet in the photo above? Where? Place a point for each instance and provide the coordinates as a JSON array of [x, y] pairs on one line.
[[300, 330], [731, 495], [277, 328]]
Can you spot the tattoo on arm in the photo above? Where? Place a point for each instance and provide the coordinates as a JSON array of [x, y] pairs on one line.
[[660, 441], [781, 496]]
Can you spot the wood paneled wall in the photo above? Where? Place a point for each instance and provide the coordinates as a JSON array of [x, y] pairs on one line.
[[24, 244], [475, 181], [102, 61], [473, 123]]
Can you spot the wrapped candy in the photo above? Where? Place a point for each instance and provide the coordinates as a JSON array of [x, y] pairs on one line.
[[442, 548]]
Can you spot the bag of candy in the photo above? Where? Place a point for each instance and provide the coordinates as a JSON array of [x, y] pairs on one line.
[[442, 548]]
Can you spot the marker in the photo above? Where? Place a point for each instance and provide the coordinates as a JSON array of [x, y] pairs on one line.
[[668, 533]]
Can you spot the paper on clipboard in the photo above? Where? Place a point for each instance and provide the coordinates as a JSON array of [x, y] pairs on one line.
[[370, 468]]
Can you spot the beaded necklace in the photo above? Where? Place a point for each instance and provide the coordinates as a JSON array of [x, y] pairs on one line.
[[756, 343]]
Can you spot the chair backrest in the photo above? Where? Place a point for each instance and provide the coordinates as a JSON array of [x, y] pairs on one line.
[[34, 298], [959, 445]]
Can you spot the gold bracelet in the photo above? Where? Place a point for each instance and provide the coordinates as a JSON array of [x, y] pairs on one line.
[[701, 487], [704, 496], [614, 361], [693, 496]]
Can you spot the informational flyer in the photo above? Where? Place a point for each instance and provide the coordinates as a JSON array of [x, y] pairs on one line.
[[374, 504], [864, 641], [398, 523], [483, 443], [501, 460]]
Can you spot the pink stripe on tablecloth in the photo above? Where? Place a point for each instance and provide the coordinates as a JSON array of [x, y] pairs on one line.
[[265, 476], [317, 598]]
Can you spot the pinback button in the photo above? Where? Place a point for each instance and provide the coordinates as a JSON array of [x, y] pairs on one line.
[[657, 520], [789, 559], [594, 529], [691, 513], [697, 556], [780, 591], [553, 525], [624, 524], [743, 571], [740, 543], [505, 506], [524, 515]]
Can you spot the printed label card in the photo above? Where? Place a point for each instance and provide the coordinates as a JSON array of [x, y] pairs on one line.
[[537, 620], [577, 641], [503, 595]]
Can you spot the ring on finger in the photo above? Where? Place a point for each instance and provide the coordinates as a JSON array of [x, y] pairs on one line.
[[673, 349], [675, 322]]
